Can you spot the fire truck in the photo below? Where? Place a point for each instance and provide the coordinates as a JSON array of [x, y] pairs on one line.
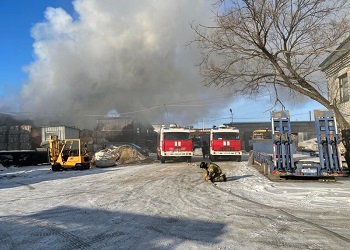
[[174, 143], [225, 143]]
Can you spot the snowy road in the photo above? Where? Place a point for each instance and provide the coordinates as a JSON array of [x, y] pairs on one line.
[[169, 206]]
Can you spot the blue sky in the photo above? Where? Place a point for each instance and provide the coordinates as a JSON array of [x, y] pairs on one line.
[[16, 43], [17, 19]]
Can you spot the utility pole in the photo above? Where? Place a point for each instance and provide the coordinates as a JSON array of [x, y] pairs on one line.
[[231, 117], [202, 123]]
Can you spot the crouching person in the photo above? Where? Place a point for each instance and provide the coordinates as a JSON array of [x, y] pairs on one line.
[[212, 172]]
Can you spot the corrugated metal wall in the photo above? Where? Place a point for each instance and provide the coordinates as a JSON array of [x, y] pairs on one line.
[[71, 133], [62, 132]]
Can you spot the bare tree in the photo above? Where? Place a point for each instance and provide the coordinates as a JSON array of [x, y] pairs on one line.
[[272, 45]]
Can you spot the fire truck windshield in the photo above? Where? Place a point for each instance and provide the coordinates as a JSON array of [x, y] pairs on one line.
[[225, 136], [176, 136]]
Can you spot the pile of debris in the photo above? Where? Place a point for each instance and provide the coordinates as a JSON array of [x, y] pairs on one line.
[[310, 145], [113, 155]]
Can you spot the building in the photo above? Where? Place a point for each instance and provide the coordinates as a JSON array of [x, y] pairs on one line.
[[123, 129], [337, 69]]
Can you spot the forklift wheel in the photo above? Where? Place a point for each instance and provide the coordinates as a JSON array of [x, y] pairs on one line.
[[79, 167], [56, 167]]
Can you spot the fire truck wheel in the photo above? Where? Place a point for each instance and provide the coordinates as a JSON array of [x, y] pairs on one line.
[[162, 159], [212, 158], [239, 159]]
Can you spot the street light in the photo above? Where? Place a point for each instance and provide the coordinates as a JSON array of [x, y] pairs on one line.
[[231, 117]]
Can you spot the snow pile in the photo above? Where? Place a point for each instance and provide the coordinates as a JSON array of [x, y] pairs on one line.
[[105, 158], [308, 145], [117, 155], [128, 154]]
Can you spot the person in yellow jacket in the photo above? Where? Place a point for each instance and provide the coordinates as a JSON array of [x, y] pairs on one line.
[[212, 172]]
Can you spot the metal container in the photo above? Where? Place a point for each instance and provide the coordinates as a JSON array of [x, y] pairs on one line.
[[63, 132]]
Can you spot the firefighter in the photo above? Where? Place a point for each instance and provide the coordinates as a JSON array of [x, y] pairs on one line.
[[212, 172], [205, 149]]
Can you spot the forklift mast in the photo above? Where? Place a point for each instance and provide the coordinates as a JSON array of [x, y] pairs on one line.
[[55, 148]]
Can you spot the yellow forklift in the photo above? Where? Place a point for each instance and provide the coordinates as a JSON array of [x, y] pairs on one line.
[[68, 154]]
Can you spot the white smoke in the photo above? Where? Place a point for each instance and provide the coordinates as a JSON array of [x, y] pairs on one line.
[[113, 113], [128, 56]]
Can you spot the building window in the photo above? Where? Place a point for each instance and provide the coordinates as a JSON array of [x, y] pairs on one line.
[[344, 88]]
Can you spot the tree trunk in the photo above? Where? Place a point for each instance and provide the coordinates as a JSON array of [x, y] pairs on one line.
[[346, 143], [342, 124]]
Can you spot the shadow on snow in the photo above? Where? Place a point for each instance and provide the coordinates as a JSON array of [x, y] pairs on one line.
[[83, 228]]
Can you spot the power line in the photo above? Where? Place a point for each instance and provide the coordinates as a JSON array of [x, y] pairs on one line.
[[78, 112]]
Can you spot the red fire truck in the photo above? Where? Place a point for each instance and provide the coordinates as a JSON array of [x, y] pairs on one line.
[[174, 142], [225, 143]]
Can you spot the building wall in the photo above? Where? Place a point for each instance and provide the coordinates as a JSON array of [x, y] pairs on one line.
[[123, 129], [246, 130], [338, 68]]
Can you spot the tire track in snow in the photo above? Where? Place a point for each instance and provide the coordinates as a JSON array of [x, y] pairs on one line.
[[279, 210], [6, 241]]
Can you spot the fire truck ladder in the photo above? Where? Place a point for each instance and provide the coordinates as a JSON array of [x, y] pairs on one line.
[[282, 143], [327, 139]]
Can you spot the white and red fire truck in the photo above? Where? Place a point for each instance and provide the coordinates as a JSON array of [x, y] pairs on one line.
[[173, 143], [225, 143]]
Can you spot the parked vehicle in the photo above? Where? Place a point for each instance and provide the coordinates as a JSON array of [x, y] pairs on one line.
[[173, 143], [327, 163], [68, 154], [225, 143]]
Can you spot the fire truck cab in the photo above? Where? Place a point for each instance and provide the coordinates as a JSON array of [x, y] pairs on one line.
[[225, 143], [174, 142]]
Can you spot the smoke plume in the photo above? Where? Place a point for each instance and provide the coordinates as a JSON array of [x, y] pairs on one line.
[[122, 57]]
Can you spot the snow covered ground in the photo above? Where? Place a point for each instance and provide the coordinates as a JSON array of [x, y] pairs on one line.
[[169, 206]]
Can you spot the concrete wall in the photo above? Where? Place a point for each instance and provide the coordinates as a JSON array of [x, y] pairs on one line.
[[246, 129]]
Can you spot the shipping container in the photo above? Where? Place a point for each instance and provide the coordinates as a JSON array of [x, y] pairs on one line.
[[63, 132]]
